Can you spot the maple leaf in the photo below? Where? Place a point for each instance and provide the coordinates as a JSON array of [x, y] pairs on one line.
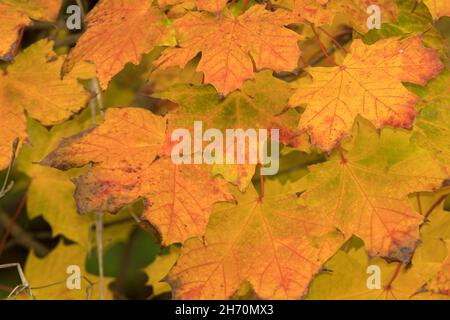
[[347, 278], [119, 32], [268, 242], [50, 192], [311, 11], [368, 83], [366, 189], [15, 15], [166, 3], [13, 127], [158, 270], [177, 8], [207, 5], [123, 150], [260, 104], [352, 12], [230, 46], [33, 84], [355, 11], [48, 275], [423, 278], [438, 8], [411, 23], [441, 283], [432, 125], [211, 5]]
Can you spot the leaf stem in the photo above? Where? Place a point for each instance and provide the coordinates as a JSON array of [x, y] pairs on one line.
[[322, 47], [19, 41], [416, 3], [261, 183], [333, 39], [434, 206], [341, 154], [419, 203], [244, 5], [394, 276]]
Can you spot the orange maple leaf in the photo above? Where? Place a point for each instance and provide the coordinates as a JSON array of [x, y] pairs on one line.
[[207, 5], [230, 46], [211, 5], [313, 11], [16, 15], [369, 83], [118, 32], [178, 198]]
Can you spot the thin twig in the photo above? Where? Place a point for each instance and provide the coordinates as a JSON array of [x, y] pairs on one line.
[[7, 187], [93, 107], [98, 215], [99, 237], [95, 86], [14, 292], [23, 279]]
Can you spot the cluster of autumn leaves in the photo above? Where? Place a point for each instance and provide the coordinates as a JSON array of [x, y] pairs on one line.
[[277, 237]]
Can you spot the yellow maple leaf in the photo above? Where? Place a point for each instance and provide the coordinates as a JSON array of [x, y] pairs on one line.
[[159, 268], [442, 281], [438, 8], [49, 275], [265, 241], [50, 192], [368, 83], [33, 84]]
